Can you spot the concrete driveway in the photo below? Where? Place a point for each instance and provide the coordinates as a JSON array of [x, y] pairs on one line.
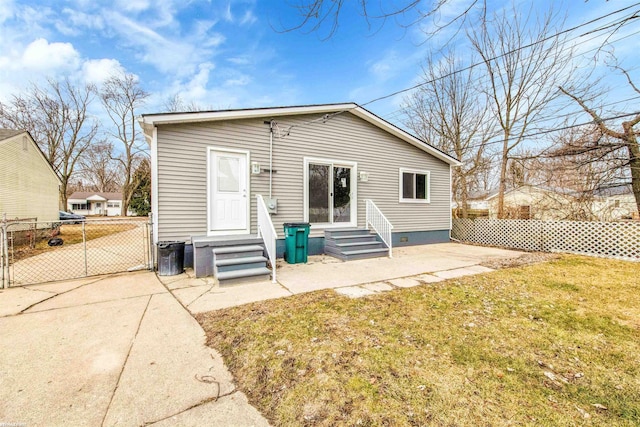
[[115, 350]]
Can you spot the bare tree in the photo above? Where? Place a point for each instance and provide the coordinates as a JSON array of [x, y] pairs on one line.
[[525, 62], [175, 104], [56, 116], [121, 96], [571, 182], [449, 111], [621, 145], [99, 168], [316, 14]]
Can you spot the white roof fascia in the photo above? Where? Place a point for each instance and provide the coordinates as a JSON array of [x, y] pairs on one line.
[[173, 118], [96, 198], [151, 120]]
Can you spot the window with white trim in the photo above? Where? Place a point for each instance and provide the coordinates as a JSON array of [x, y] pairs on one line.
[[414, 186]]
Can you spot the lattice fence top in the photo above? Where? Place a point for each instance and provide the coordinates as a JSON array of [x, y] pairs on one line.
[[620, 240]]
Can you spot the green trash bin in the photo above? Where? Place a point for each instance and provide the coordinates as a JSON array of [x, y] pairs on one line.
[[296, 240]]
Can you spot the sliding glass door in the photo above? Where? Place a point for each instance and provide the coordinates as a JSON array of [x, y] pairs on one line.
[[330, 193]]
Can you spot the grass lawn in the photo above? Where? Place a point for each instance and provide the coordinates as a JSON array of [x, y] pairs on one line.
[[555, 343]]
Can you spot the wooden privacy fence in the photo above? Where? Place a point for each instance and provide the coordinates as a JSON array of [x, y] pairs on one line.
[[619, 240]]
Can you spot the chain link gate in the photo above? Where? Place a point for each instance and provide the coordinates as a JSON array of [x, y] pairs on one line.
[[36, 252]]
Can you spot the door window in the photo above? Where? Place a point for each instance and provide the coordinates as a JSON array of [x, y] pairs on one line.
[[228, 174]]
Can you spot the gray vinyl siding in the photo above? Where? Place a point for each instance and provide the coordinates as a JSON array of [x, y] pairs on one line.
[[182, 170]]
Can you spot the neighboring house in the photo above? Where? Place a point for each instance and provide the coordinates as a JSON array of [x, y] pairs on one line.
[[552, 204], [534, 202], [477, 204], [313, 164], [29, 186], [615, 203], [93, 203]]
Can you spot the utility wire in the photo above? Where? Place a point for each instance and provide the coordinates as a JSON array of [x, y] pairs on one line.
[[548, 131], [620, 22], [506, 53], [399, 112]]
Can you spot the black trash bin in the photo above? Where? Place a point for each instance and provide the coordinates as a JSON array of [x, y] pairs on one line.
[[170, 258]]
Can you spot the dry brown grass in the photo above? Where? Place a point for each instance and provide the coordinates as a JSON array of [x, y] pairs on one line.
[[70, 234], [546, 344]]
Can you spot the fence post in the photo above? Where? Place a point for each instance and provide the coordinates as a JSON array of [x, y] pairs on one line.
[[84, 246], [4, 252], [150, 236]]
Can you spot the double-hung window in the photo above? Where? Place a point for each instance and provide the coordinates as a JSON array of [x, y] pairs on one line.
[[414, 186]]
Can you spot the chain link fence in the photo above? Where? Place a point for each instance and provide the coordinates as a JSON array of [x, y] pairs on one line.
[[36, 252]]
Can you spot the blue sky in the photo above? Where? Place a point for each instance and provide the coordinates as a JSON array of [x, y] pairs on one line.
[[228, 54]]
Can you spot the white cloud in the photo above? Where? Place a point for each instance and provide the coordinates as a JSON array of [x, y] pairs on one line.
[[77, 20], [240, 80], [240, 60], [7, 10], [42, 55], [383, 69], [168, 54], [133, 5], [228, 16], [248, 18], [171, 55], [98, 70]]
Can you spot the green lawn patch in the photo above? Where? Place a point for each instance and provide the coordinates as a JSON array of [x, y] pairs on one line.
[[556, 343]]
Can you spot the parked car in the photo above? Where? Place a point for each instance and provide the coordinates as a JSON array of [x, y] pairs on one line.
[[71, 218]]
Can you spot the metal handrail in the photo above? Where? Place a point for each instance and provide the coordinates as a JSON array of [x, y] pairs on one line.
[[379, 223], [267, 232]]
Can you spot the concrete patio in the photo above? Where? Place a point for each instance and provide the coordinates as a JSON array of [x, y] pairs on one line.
[[410, 266], [123, 350]]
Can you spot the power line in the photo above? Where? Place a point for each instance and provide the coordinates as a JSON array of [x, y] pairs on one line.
[[399, 112], [506, 53], [634, 15], [548, 131]]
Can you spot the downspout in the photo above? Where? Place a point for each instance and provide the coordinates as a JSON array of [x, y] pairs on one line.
[[270, 157]]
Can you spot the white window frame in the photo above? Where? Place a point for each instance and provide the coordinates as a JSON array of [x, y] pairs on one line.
[[354, 192], [427, 175]]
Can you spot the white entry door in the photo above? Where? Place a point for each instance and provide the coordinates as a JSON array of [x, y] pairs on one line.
[[229, 203]]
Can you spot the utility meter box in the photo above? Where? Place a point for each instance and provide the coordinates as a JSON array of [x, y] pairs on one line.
[[272, 205]]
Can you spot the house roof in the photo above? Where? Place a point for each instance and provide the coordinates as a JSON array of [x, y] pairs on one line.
[[614, 190], [149, 121], [9, 133], [567, 192], [92, 195]]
